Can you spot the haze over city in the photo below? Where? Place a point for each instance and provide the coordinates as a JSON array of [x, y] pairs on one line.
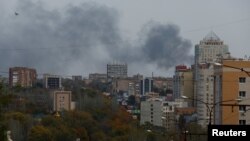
[[80, 37], [124, 70]]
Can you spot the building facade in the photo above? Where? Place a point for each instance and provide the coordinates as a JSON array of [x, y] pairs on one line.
[[77, 78], [25, 77], [151, 112], [130, 85], [163, 83], [208, 51], [205, 94], [183, 83], [97, 76], [61, 100], [117, 70], [147, 85], [232, 81], [52, 81], [160, 113]]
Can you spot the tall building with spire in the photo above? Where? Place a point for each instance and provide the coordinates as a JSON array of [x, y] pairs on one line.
[[209, 49], [207, 52]]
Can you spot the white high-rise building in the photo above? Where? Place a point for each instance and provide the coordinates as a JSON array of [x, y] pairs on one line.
[[206, 53], [205, 93], [209, 49]]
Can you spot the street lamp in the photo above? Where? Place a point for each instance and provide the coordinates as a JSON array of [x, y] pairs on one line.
[[185, 135], [242, 69], [149, 130], [210, 106], [184, 130]]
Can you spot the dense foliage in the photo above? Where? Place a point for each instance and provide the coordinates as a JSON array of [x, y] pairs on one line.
[[25, 112]]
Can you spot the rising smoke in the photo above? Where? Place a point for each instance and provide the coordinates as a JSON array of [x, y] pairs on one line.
[[82, 39], [163, 45]]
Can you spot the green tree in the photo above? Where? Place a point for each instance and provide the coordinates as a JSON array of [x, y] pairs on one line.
[[17, 88], [19, 124], [40, 133], [51, 121], [81, 133], [151, 137], [63, 133], [1, 88], [5, 100], [98, 136], [3, 130]]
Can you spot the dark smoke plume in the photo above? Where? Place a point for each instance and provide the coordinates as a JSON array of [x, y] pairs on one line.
[[163, 45], [82, 39], [76, 40]]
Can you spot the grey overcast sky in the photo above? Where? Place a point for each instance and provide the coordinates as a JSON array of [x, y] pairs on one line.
[[78, 37]]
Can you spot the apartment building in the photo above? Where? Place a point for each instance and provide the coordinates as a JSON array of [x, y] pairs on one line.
[[25, 77], [232, 82], [52, 81], [62, 100], [117, 70], [183, 83], [159, 112]]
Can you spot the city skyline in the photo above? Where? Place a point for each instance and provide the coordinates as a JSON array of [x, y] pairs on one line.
[[150, 36]]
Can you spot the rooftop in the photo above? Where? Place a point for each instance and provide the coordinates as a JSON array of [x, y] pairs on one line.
[[211, 36]]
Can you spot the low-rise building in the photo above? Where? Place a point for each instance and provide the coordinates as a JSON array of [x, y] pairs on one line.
[[61, 100], [159, 112]]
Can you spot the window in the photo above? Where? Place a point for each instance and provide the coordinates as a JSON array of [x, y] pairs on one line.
[[242, 108], [242, 93], [165, 104], [242, 80], [242, 122]]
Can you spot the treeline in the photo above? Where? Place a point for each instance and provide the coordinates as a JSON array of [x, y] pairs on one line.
[[26, 112], [97, 118]]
